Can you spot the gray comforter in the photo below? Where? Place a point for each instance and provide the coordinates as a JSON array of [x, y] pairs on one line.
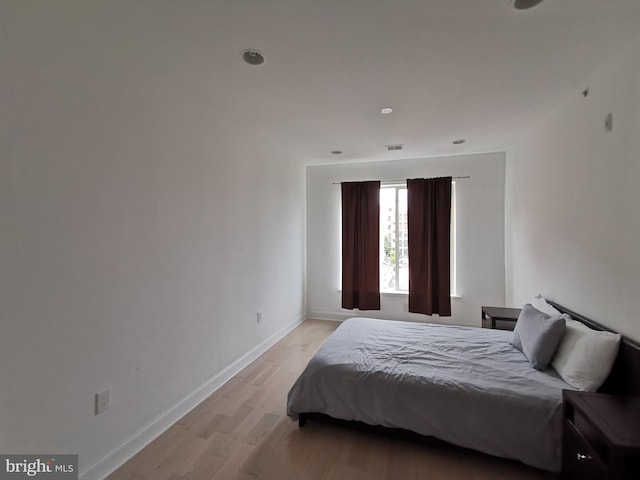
[[467, 386]]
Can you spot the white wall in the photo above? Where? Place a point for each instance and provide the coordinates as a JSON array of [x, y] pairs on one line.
[[138, 237], [480, 252], [573, 228]]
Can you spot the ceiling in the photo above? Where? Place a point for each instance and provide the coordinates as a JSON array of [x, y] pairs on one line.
[[472, 69]]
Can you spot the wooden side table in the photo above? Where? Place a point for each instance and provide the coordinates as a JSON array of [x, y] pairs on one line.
[[601, 436], [499, 317]]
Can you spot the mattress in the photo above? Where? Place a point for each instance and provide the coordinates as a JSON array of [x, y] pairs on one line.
[[467, 386]]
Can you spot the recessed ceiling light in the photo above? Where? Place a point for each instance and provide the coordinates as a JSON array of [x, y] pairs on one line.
[[252, 57], [524, 4], [386, 110], [460, 141], [336, 152]]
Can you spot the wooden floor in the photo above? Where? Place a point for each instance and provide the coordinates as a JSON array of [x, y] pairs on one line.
[[242, 432]]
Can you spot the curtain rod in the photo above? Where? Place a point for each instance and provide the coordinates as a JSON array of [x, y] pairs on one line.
[[400, 181]]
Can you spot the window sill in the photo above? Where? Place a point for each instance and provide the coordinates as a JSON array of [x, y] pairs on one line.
[[392, 293]]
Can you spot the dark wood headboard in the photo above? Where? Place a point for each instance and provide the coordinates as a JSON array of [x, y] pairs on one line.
[[624, 378]]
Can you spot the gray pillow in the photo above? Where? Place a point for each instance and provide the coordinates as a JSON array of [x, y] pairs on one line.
[[538, 335]]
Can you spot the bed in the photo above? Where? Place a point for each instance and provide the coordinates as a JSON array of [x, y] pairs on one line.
[[466, 386]]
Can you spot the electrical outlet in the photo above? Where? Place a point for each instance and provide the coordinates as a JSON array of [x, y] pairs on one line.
[[103, 401], [259, 317]]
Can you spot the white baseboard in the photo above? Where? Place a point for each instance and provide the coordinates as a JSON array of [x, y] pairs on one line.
[[136, 442], [340, 317]]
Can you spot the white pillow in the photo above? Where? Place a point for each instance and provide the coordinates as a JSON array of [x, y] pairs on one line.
[[585, 356], [540, 304]]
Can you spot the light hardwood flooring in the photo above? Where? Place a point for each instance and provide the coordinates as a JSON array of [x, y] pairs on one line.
[[242, 432]]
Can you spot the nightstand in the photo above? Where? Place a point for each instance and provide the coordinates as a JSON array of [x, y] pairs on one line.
[[499, 317], [601, 436]]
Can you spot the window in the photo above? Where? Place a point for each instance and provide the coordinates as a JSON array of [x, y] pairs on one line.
[[394, 256], [394, 269]]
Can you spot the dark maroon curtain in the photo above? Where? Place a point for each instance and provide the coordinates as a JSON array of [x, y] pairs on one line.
[[361, 245], [429, 225]]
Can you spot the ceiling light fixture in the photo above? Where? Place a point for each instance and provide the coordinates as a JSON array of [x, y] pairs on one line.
[[386, 110], [460, 141], [524, 4], [252, 57]]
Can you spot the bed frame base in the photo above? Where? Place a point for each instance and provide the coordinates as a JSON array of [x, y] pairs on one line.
[[302, 420]]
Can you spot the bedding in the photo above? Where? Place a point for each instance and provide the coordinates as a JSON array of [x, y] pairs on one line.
[[540, 303], [467, 386], [585, 356], [537, 335]]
